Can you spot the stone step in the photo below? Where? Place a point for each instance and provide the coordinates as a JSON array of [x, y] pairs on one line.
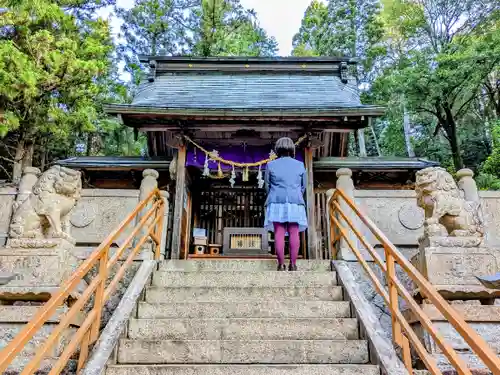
[[243, 279], [243, 329], [239, 265], [254, 309], [242, 352], [20, 362], [242, 370], [210, 294]]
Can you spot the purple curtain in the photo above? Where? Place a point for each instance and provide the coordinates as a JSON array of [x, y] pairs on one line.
[[239, 154]]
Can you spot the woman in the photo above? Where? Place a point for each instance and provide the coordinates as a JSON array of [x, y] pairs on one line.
[[285, 183]]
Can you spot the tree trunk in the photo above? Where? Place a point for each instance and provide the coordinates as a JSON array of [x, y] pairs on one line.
[[29, 147], [450, 128], [88, 151], [23, 158], [407, 128], [17, 169], [377, 146], [456, 153]]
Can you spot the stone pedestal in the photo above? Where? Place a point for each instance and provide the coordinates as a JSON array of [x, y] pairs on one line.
[[40, 271], [484, 319], [450, 264], [346, 184], [12, 321]]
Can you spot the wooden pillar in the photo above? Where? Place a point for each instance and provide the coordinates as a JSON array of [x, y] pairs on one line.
[[312, 251], [179, 202]]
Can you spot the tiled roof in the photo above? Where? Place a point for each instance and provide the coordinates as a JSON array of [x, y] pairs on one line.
[[125, 162], [373, 163], [247, 91]]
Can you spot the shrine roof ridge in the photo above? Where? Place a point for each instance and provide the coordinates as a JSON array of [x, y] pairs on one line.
[[246, 59]]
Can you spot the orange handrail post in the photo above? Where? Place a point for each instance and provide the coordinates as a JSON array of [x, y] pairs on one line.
[[99, 295], [403, 334], [149, 225]]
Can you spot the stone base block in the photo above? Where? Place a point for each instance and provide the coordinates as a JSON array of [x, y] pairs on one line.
[[14, 318], [39, 272], [452, 270], [484, 319]]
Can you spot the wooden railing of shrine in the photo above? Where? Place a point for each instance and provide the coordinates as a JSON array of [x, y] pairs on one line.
[[343, 213], [144, 223]]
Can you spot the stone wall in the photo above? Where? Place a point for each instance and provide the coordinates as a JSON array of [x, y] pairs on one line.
[[396, 213], [99, 211]]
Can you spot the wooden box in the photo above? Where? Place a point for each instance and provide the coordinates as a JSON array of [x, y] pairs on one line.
[[245, 241]]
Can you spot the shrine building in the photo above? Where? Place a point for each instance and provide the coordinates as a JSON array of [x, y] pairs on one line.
[[211, 125]]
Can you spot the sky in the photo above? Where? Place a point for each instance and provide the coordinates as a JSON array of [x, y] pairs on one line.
[[280, 18]]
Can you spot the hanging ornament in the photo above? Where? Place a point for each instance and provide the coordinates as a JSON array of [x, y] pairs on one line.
[[260, 180], [195, 156], [232, 180], [206, 170], [214, 154], [219, 171], [246, 174], [272, 155]]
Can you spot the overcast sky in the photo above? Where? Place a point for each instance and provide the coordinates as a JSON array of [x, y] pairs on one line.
[[280, 18]]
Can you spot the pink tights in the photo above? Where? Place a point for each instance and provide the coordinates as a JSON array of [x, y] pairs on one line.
[[279, 241]]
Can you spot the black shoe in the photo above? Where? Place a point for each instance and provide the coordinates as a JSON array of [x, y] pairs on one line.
[[281, 267], [292, 267]]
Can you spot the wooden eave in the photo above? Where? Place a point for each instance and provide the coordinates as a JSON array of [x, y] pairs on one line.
[[333, 119]]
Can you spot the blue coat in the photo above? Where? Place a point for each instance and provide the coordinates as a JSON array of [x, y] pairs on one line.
[[285, 181]]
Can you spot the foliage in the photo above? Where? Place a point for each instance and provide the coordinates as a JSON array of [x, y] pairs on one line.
[[226, 28], [447, 50], [189, 27], [492, 164], [310, 40], [342, 28], [153, 27], [487, 181], [51, 61]]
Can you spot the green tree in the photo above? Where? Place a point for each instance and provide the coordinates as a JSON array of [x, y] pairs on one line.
[[343, 28], [50, 63], [312, 35], [154, 27], [449, 49], [226, 28]]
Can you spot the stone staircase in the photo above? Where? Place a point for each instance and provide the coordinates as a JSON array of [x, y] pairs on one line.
[[235, 317]]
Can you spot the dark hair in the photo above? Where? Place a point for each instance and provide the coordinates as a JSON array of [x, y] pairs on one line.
[[285, 147]]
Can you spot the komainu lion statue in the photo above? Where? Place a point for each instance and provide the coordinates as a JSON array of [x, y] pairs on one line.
[[44, 214], [447, 213]]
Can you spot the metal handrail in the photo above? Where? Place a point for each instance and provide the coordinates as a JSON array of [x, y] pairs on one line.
[[149, 225], [402, 333]]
